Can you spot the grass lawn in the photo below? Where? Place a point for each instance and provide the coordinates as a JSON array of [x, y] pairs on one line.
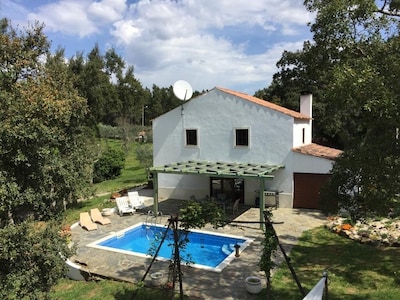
[[104, 290], [356, 271], [133, 174]]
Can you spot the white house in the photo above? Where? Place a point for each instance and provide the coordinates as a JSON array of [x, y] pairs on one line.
[[228, 144]]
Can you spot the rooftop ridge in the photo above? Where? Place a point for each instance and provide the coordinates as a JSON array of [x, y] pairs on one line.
[[265, 103]]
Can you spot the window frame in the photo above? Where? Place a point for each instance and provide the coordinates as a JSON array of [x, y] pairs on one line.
[[235, 134], [196, 131]]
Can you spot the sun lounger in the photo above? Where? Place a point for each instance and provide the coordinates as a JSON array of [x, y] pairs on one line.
[[124, 206], [86, 222], [135, 201], [98, 218]]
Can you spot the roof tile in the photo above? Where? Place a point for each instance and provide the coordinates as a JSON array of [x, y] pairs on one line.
[[318, 150], [265, 103]]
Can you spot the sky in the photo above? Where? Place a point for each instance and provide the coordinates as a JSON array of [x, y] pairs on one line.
[[233, 44]]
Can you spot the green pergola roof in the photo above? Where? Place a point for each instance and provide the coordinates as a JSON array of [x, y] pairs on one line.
[[219, 169]]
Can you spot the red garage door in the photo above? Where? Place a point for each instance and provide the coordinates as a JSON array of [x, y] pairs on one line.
[[306, 189]]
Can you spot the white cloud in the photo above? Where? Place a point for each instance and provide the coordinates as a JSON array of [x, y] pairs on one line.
[[67, 16], [230, 70], [107, 10], [166, 40], [125, 31], [207, 42]]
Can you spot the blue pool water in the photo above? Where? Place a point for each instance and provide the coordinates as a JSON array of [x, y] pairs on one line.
[[206, 250]]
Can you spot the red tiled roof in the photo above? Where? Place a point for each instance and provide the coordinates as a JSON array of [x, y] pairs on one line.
[[318, 150], [265, 103]]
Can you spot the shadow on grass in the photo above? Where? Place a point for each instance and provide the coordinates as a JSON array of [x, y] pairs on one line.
[[145, 294]]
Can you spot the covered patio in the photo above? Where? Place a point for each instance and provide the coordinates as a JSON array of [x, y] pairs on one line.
[[221, 169]]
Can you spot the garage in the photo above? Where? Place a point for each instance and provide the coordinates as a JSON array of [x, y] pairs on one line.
[[306, 189]]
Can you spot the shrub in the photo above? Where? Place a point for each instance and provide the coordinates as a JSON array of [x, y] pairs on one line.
[[109, 166], [30, 259], [110, 132]]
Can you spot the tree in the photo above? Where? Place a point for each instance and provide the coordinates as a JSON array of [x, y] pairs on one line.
[[46, 160], [144, 154], [350, 67], [109, 165], [110, 86], [30, 259], [92, 78], [43, 135]]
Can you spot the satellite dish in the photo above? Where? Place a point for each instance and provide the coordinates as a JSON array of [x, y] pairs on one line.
[[182, 90]]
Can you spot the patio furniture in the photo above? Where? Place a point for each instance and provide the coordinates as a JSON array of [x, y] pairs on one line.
[[222, 204], [234, 207], [206, 198], [135, 201], [123, 206], [98, 218], [86, 222]]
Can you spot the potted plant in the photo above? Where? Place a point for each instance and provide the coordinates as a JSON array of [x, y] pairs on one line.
[[156, 278], [253, 284]]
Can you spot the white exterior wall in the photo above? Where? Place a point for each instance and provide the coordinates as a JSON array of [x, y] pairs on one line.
[[302, 130], [300, 127], [310, 164], [216, 115]]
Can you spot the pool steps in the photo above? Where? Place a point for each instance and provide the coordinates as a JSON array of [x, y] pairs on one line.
[[228, 249]]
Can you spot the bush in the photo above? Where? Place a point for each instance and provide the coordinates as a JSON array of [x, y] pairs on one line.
[[110, 132], [109, 166], [30, 259]]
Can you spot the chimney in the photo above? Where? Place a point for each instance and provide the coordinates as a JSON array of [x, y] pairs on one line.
[[306, 104]]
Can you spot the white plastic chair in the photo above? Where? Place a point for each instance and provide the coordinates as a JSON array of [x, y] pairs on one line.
[[135, 201], [124, 206]]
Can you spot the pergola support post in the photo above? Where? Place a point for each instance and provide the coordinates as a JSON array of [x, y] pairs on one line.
[[155, 193], [262, 203]]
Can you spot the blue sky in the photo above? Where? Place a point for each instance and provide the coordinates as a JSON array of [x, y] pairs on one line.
[[229, 43]]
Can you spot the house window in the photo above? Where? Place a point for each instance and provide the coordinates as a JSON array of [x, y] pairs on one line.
[[242, 137], [304, 135], [191, 137]]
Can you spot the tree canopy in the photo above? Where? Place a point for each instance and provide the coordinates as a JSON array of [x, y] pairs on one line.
[[46, 160], [350, 67], [113, 93], [45, 152]]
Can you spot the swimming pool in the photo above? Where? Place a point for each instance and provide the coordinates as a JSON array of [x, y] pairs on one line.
[[207, 250]]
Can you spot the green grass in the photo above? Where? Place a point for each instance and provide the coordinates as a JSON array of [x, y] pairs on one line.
[[72, 214], [133, 174], [356, 271], [104, 290]]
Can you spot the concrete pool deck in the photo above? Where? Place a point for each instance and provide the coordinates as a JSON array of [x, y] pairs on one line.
[[197, 283]]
